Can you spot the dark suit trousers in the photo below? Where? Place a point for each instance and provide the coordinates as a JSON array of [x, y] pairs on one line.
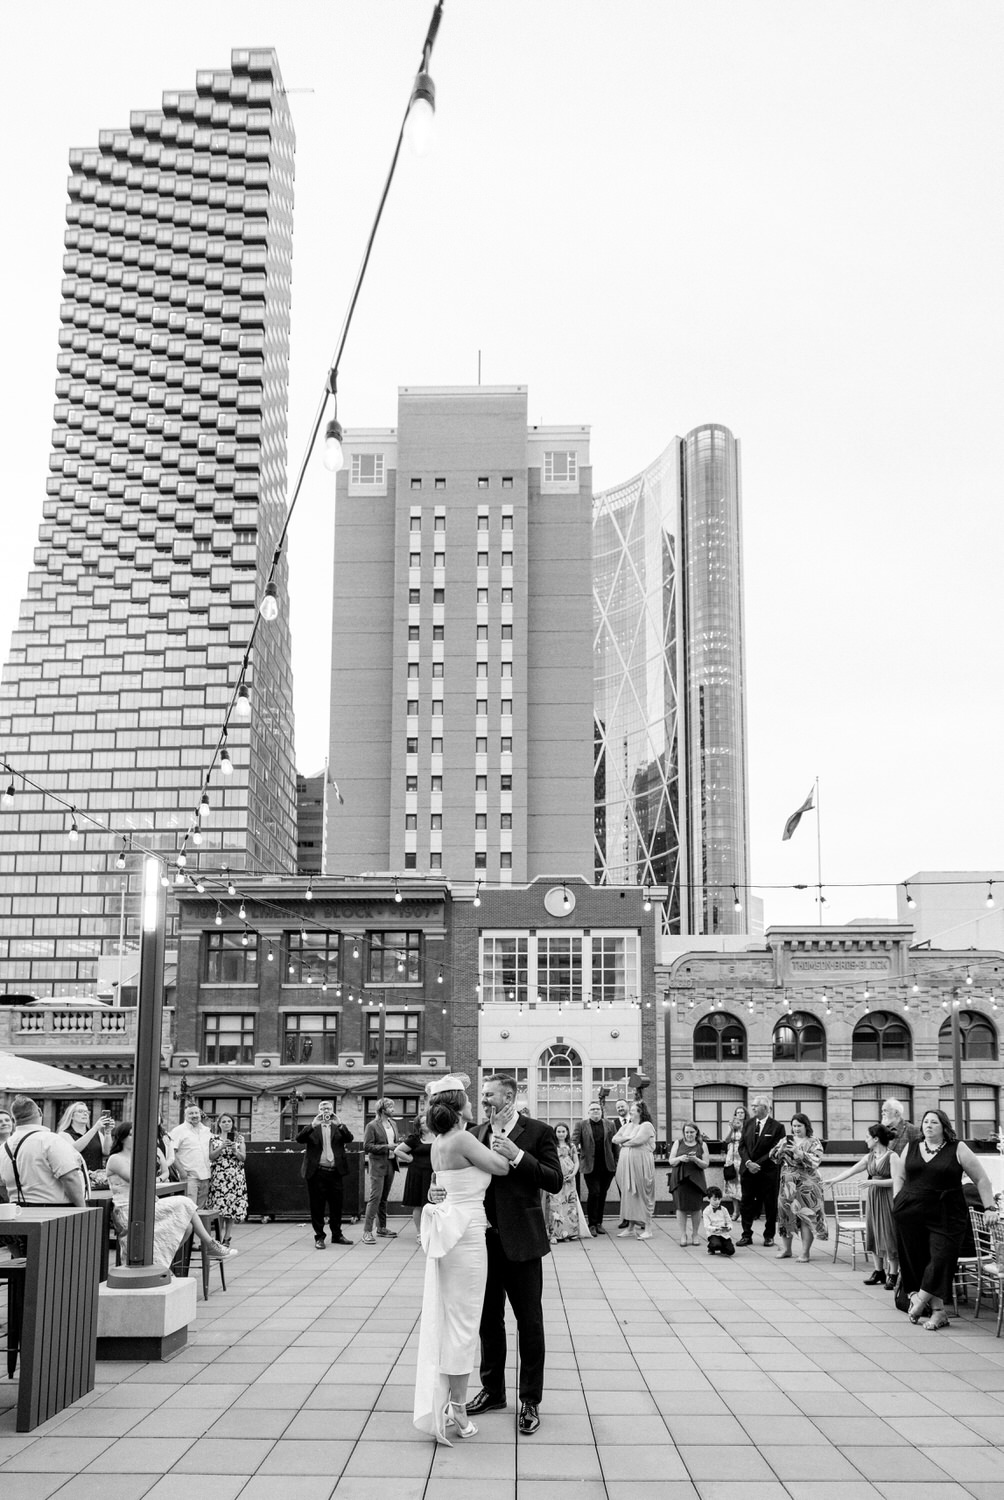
[[324, 1191], [760, 1192], [597, 1185], [522, 1282]]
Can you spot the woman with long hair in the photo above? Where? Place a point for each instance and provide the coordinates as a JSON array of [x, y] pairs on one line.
[[731, 1191], [562, 1210], [930, 1214], [174, 1218], [456, 1264], [415, 1153], [92, 1141], [636, 1172], [688, 1161], [880, 1231], [228, 1184], [800, 1206]]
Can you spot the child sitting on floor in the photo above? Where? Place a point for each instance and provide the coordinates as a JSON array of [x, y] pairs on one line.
[[718, 1224]]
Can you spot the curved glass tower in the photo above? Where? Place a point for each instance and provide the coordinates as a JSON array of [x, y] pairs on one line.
[[670, 732]]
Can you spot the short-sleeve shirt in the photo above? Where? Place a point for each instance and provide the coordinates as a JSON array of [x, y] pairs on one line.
[[191, 1150], [43, 1160]]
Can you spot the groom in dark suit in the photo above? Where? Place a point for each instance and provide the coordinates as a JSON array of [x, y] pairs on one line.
[[758, 1173], [517, 1243]]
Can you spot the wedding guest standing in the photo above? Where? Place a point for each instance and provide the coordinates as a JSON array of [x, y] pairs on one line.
[[92, 1141], [688, 1161], [228, 1186], [562, 1210], [880, 1231], [758, 1172], [730, 1166], [593, 1138], [415, 1153], [930, 1214], [636, 1173], [800, 1206]]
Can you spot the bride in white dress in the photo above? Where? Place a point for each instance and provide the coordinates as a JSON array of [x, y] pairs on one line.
[[453, 1238]]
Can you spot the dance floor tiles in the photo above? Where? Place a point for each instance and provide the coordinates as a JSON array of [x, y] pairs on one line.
[[558, 1461], [145, 1455]]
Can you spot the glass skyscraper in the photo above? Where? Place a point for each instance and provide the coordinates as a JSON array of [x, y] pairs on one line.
[[670, 738], [165, 498]]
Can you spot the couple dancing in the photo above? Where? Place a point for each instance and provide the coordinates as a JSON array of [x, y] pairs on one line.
[[484, 1241]]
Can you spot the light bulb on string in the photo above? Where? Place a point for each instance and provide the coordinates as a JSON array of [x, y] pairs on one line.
[[200, 886], [397, 893], [355, 950], [226, 764], [911, 903], [309, 894], [736, 903], [231, 888], [646, 899], [439, 976], [477, 894], [270, 956], [10, 793], [333, 457], [242, 914], [565, 899], [204, 807], [196, 836], [969, 976], [121, 861], [421, 114], [219, 915], [244, 938], [182, 859], [165, 879], [74, 832], [269, 606], [179, 877], [989, 903], [242, 707]]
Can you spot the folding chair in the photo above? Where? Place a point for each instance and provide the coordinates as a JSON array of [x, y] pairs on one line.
[[989, 1264], [848, 1217]]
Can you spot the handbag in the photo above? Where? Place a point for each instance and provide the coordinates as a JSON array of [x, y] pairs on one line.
[[729, 1172]]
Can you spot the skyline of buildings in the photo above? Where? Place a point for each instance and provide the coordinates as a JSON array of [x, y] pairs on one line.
[[166, 497], [671, 771]]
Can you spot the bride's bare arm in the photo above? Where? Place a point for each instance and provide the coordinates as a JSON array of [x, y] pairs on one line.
[[478, 1155]]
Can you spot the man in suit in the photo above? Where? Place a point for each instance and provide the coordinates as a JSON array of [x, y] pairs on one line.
[[517, 1243], [757, 1173], [593, 1140], [380, 1144], [324, 1169]]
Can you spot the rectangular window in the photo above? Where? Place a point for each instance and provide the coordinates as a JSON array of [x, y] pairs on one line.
[[437, 632], [437, 708], [435, 820], [435, 860], [507, 520], [505, 820], [480, 859], [394, 958], [437, 669], [439, 596], [413, 669], [400, 1045], [411, 745], [507, 481], [481, 820], [481, 745], [559, 467], [311, 1037], [237, 1106], [410, 860], [367, 468], [482, 559], [440, 521], [481, 783], [435, 784], [439, 483], [505, 860], [416, 521], [505, 744], [313, 957], [413, 634], [229, 960], [507, 632], [411, 820], [714, 1106], [436, 747], [439, 559], [416, 484], [482, 596], [506, 706], [482, 481], [414, 596], [481, 669], [507, 596], [481, 705], [482, 632], [614, 978], [507, 559], [482, 523], [505, 783], [411, 783], [504, 969], [228, 1037], [412, 707], [559, 968], [414, 559]]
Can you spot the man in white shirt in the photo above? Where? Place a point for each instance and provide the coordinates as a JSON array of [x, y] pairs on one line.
[[191, 1153], [37, 1165]]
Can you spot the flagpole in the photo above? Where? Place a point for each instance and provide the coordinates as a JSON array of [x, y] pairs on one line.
[[819, 855]]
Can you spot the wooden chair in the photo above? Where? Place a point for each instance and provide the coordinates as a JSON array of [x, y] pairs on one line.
[[989, 1264], [183, 1258], [848, 1217]]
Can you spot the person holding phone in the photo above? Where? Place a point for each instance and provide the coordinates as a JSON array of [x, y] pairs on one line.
[[92, 1141], [324, 1169]]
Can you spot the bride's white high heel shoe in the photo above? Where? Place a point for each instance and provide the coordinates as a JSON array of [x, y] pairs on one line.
[[454, 1415]]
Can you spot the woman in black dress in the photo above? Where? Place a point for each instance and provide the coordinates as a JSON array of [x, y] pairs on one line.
[[415, 1153], [930, 1214], [92, 1141]]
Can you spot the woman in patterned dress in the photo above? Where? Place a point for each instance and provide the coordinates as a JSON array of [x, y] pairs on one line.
[[800, 1207], [228, 1186], [563, 1211]]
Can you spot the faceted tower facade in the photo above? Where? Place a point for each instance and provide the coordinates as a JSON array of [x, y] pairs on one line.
[[670, 740], [166, 495]]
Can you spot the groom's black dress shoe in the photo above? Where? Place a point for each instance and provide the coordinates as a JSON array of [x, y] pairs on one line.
[[529, 1419], [486, 1401], [877, 1278]]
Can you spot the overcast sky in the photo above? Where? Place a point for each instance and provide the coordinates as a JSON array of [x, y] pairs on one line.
[[786, 217]]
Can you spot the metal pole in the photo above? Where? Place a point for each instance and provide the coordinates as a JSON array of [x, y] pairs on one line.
[[957, 1065], [380, 1049], [667, 1024], [141, 1270]]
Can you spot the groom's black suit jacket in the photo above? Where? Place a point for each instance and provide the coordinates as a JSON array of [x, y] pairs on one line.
[[512, 1203]]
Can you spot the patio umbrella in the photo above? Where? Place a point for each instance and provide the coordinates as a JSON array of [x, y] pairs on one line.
[[22, 1075]]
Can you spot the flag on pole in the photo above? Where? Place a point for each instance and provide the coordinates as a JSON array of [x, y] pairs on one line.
[[796, 818]]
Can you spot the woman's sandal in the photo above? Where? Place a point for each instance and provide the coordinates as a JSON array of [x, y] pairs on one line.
[[452, 1420], [937, 1319], [919, 1306]]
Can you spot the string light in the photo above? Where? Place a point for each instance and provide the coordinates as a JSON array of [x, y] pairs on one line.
[[204, 809], [242, 708], [397, 893], [200, 886], [911, 903], [566, 900], [244, 938], [270, 956], [242, 914], [226, 764], [736, 903], [120, 862], [219, 915], [477, 894], [989, 903], [268, 609], [231, 888], [310, 890], [646, 900], [74, 832], [9, 794]]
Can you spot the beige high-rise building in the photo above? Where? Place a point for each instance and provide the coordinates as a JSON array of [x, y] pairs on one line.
[[461, 680]]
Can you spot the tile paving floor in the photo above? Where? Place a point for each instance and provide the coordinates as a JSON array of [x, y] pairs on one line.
[[670, 1376]]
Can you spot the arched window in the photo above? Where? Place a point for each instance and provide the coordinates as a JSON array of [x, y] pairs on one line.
[[881, 1037], [979, 1039], [719, 1038], [799, 1038], [559, 1086]]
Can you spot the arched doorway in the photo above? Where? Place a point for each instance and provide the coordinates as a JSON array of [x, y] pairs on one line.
[[559, 1086]]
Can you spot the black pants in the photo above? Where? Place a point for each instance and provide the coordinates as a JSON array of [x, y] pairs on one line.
[[522, 1282], [324, 1191], [759, 1193], [597, 1185], [720, 1243]]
